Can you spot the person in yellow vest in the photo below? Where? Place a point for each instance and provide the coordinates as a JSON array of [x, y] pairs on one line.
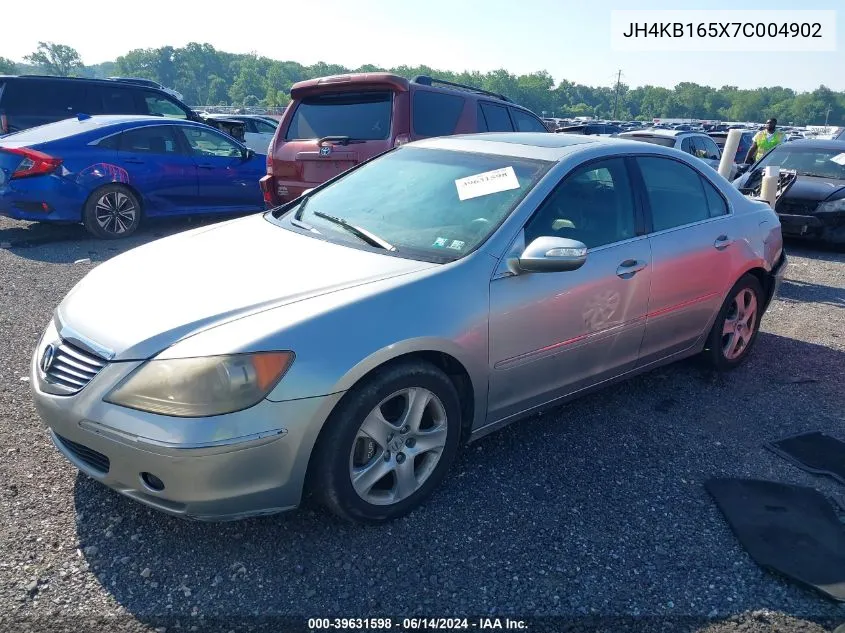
[[765, 140]]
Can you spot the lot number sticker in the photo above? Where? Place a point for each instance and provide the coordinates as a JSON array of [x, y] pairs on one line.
[[839, 159], [489, 182]]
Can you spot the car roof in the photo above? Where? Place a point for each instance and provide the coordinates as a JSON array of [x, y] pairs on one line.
[[76, 125], [368, 81], [531, 145]]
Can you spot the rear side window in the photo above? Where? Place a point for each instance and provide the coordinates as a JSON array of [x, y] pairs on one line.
[[524, 122], [705, 148], [262, 127], [159, 105], [496, 117], [359, 115], [154, 139], [676, 193], [54, 99], [108, 100], [436, 113]]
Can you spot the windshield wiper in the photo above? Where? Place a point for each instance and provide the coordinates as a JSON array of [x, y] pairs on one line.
[[302, 205], [340, 140], [812, 175], [362, 234]]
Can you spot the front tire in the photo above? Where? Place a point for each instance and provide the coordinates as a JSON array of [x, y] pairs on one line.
[[112, 212], [389, 443], [736, 327]]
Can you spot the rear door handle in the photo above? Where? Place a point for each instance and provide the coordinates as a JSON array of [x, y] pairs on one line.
[[205, 166], [722, 242], [133, 161], [629, 268]]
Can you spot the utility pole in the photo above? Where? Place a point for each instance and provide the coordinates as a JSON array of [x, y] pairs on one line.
[[616, 99], [827, 115]]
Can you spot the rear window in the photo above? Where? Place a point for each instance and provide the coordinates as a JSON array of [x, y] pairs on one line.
[[362, 116], [665, 141], [436, 113]]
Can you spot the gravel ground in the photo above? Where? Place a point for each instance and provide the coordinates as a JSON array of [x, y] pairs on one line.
[[595, 510]]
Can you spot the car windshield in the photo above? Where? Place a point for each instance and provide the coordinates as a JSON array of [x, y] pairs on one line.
[[358, 115], [665, 141], [808, 161], [429, 204]]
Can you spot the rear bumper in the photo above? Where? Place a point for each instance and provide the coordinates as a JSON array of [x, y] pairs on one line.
[[41, 199], [278, 192]]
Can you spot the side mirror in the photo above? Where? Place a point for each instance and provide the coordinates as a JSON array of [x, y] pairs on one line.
[[549, 255], [248, 153]]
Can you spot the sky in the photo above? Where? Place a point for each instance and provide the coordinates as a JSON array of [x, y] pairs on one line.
[[568, 38]]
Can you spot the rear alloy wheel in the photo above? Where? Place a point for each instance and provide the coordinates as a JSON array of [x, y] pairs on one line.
[[736, 327], [112, 212], [388, 444]]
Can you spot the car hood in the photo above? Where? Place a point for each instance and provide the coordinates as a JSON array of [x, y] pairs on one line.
[[141, 302], [815, 189]]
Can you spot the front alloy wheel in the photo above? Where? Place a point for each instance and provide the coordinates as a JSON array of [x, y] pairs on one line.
[[398, 446], [388, 443]]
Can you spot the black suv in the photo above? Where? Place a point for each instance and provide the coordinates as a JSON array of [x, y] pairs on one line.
[[30, 100]]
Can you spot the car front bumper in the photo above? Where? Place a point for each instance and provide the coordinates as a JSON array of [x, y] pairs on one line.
[[827, 226], [227, 467]]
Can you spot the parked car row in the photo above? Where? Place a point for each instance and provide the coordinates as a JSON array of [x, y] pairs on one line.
[[110, 172]]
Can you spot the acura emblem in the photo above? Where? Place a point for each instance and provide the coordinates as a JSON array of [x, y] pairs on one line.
[[325, 150], [47, 358]]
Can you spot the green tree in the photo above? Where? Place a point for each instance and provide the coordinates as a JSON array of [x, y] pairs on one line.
[[7, 66], [56, 59]]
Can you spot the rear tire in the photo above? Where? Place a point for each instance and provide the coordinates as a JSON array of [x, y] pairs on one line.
[[389, 443], [112, 212], [736, 327]]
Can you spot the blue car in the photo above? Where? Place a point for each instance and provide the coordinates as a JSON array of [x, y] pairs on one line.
[[110, 172]]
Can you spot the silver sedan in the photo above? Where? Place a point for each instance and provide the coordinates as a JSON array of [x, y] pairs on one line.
[[348, 343]]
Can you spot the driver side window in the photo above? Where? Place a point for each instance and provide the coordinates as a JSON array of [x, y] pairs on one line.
[[210, 143], [594, 205]]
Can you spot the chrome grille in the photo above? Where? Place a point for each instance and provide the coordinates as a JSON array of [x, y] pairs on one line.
[[73, 368]]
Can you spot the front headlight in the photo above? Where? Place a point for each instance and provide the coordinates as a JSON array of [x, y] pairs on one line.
[[199, 387], [831, 207]]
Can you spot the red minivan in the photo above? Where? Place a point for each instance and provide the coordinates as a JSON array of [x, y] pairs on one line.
[[334, 123]]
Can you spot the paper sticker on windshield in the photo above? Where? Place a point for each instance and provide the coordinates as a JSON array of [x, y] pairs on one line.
[[440, 242], [839, 159], [457, 245], [489, 182]]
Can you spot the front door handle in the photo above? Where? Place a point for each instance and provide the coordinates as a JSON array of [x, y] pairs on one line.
[[629, 268], [722, 242], [133, 161], [205, 166]]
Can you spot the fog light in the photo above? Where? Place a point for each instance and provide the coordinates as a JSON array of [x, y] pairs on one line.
[[152, 481]]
